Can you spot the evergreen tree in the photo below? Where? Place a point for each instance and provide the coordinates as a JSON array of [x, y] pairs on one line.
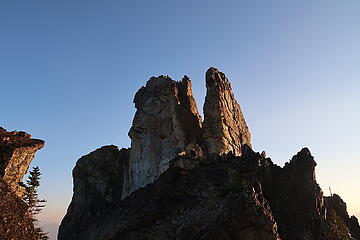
[[31, 198]]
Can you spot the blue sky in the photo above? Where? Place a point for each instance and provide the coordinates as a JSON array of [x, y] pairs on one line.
[[69, 71]]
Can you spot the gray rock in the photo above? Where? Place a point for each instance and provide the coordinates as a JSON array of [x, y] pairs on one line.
[[166, 123], [225, 129]]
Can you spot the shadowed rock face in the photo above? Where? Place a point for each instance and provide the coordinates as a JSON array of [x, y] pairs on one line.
[[207, 199], [98, 181], [166, 123], [295, 197], [17, 150], [335, 203], [224, 125]]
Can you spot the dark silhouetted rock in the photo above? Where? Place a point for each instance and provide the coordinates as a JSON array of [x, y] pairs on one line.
[[295, 197], [338, 205], [98, 182], [209, 199]]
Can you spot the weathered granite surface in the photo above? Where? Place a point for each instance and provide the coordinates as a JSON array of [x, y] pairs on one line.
[[224, 125], [17, 150], [166, 123]]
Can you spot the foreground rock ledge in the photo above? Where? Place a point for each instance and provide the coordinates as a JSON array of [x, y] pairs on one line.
[[17, 150]]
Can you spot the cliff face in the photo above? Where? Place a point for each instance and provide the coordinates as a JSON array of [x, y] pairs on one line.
[[207, 199], [184, 179], [98, 181], [295, 197], [167, 123], [336, 204], [17, 150]]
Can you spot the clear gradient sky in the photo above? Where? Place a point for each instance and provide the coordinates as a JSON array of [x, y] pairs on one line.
[[69, 70]]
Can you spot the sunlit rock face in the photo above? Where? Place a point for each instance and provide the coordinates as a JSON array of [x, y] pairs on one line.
[[17, 150], [166, 123], [224, 125]]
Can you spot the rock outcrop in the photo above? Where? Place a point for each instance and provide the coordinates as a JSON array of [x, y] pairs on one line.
[[338, 205], [17, 150], [208, 199], [295, 197], [182, 179], [98, 180], [166, 123], [225, 129]]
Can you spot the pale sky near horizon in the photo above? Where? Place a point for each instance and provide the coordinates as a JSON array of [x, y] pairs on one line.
[[69, 71]]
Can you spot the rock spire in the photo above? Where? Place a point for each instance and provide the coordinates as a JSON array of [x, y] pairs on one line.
[[224, 125]]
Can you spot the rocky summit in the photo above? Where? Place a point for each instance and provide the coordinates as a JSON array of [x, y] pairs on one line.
[[184, 178]]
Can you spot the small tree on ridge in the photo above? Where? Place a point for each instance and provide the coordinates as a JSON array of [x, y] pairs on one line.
[[31, 198]]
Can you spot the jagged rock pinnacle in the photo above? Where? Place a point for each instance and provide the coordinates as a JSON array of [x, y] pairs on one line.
[[224, 125]]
